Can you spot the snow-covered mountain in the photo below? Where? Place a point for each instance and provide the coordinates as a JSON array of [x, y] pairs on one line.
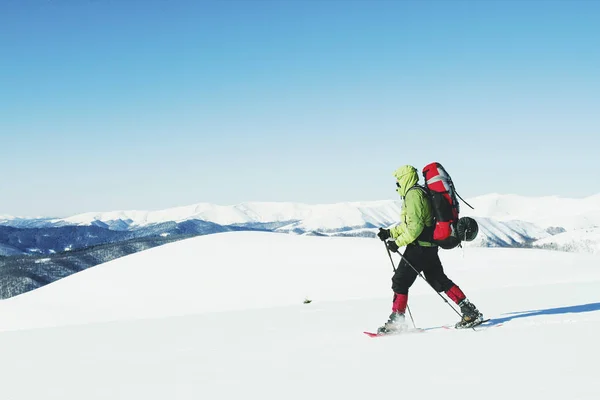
[[321, 217], [545, 212], [202, 319], [510, 233], [505, 220], [546, 222], [579, 241], [29, 222]]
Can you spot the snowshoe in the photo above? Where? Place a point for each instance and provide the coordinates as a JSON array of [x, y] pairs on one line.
[[470, 315], [395, 324]]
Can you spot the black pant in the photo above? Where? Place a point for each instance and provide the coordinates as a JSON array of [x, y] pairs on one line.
[[424, 259]]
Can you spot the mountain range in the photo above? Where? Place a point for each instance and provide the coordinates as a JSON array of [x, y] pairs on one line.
[[37, 251], [505, 221]]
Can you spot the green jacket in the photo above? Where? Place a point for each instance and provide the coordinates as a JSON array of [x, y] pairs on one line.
[[416, 211]]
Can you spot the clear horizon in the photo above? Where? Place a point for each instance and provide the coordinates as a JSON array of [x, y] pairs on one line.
[[111, 106]]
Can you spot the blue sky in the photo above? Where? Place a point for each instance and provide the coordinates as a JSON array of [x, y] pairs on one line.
[[110, 105]]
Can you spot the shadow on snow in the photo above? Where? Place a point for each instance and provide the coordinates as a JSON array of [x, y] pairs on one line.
[[582, 308]]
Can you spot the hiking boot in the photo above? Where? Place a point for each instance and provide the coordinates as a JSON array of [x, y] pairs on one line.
[[394, 324], [470, 315]]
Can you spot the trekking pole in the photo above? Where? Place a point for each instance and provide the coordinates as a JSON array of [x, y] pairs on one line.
[[394, 268], [442, 297]]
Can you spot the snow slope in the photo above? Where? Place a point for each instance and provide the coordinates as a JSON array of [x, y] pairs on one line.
[[505, 233], [580, 241], [222, 317]]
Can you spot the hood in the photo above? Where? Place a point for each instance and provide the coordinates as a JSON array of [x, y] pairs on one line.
[[407, 177]]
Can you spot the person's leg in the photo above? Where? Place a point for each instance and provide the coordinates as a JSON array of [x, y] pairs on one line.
[[404, 277], [434, 273], [437, 278], [402, 280]]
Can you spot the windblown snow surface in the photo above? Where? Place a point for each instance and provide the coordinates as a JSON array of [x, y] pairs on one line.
[[223, 317]]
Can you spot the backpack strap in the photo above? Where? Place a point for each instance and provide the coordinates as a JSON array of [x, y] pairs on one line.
[[417, 186], [427, 233], [463, 200]]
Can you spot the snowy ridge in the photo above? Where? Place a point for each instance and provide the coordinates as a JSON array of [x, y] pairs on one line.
[[545, 212], [505, 220], [313, 217], [506, 233], [29, 222], [578, 241]]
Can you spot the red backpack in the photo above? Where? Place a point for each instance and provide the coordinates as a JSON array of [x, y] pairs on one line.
[[447, 231]]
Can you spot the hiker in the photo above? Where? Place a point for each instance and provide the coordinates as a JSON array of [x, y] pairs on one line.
[[415, 232]]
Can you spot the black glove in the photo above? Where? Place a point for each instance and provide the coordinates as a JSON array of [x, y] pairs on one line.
[[392, 246], [384, 234]]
